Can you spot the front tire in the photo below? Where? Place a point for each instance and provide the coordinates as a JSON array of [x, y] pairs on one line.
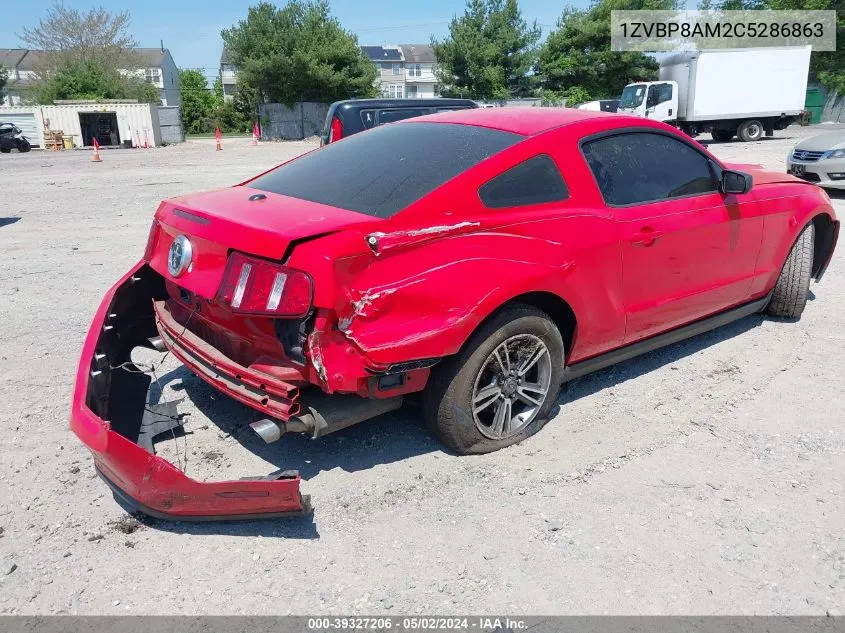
[[500, 388], [750, 131], [793, 284], [24, 146]]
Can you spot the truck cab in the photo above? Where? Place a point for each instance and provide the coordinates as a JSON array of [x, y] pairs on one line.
[[744, 92], [656, 100]]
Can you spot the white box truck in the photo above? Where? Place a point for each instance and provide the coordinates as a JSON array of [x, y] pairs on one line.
[[744, 92]]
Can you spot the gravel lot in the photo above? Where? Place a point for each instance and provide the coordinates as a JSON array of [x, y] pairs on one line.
[[705, 478]]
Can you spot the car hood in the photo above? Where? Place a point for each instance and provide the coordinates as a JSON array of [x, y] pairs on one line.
[[824, 142], [217, 222]]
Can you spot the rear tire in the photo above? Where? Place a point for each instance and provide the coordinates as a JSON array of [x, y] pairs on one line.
[[793, 284], [461, 384], [6, 150], [722, 135], [751, 130]]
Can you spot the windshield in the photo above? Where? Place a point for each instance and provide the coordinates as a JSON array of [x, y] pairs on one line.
[[382, 171], [632, 96]]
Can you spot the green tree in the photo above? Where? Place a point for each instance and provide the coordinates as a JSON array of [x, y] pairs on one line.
[[91, 80], [239, 114], [4, 77], [576, 95], [298, 52], [95, 36], [198, 101], [490, 52], [86, 56], [828, 67], [231, 117], [217, 91], [577, 54]]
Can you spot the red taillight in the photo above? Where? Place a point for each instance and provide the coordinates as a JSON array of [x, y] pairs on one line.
[[257, 286], [337, 130], [151, 241]]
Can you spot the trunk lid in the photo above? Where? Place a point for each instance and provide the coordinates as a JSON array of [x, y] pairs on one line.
[[219, 221]]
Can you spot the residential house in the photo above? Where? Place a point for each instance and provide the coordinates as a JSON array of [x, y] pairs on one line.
[[390, 77], [160, 70], [403, 71], [157, 67], [420, 80], [227, 76], [18, 63]]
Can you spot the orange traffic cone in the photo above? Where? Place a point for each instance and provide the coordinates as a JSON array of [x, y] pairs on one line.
[[219, 137], [96, 158]]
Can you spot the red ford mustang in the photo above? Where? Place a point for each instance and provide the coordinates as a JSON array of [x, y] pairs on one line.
[[481, 257]]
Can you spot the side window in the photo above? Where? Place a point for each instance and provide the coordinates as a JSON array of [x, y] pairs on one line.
[[397, 114], [533, 181], [659, 93], [638, 167], [368, 118]]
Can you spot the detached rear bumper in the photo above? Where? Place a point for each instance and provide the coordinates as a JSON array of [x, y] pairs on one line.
[[106, 413]]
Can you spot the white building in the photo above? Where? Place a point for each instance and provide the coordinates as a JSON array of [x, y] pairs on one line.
[[160, 70], [19, 65], [420, 62], [113, 123], [404, 71], [157, 68], [227, 76]]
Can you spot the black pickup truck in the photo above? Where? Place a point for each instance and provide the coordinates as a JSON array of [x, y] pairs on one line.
[[345, 118]]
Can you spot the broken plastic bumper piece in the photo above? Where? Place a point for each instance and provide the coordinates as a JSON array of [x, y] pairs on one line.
[[109, 414]]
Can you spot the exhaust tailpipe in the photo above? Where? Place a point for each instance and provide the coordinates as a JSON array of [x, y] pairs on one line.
[[268, 430], [324, 414]]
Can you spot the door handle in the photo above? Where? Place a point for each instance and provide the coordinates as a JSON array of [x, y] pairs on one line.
[[646, 236]]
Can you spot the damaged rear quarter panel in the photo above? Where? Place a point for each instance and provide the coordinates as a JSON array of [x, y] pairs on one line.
[[426, 300], [444, 264]]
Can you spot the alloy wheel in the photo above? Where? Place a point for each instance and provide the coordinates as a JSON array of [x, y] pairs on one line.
[[511, 386]]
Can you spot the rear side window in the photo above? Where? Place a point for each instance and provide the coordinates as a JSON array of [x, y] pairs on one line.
[[368, 118], [534, 181], [397, 114], [639, 167], [383, 170]]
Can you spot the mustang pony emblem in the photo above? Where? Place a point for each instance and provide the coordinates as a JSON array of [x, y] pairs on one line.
[[179, 257]]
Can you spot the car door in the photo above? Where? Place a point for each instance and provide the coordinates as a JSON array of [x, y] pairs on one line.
[[661, 103], [688, 251]]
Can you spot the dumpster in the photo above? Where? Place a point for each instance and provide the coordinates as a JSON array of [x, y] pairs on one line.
[[815, 104]]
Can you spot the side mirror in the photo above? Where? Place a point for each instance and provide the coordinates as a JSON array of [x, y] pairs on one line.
[[735, 182]]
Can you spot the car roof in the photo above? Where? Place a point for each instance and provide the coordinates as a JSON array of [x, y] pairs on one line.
[[399, 103], [526, 121]]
